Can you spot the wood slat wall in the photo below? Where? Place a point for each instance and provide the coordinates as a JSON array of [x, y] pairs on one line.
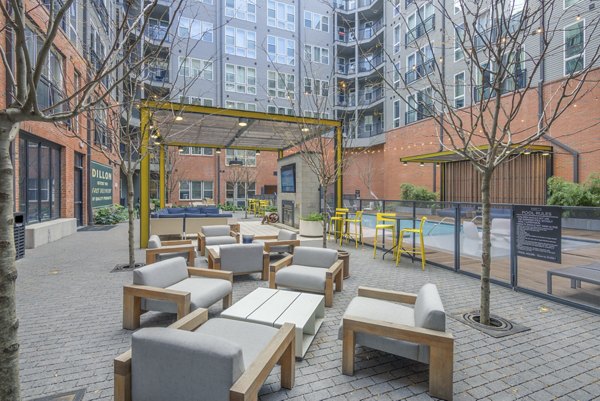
[[521, 180]]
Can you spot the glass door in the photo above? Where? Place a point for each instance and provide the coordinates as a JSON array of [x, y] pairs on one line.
[[78, 188]]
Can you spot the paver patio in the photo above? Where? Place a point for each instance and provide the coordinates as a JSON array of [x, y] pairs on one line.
[[70, 310]]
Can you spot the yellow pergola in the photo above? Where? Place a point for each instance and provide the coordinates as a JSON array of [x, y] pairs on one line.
[[166, 124]]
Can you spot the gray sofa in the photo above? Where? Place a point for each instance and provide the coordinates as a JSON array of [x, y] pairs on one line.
[[170, 286], [199, 359], [309, 269], [216, 235], [377, 319]]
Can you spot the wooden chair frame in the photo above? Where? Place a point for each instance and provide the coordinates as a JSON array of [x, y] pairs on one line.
[[133, 294], [279, 351], [202, 239], [334, 274], [214, 263], [441, 344], [271, 241], [172, 247]]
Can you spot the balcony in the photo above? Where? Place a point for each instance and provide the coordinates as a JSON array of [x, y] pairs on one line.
[[102, 12], [419, 71], [345, 5], [369, 130], [486, 91], [370, 32], [421, 29], [157, 31], [346, 100], [346, 69], [420, 113], [346, 37], [158, 73], [370, 63], [368, 97]]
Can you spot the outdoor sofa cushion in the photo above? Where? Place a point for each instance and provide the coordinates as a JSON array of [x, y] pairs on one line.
[[428, 313], [161, 274], [224, 240], [216, 231], [154, 242], [304, 278], [314, 257], [286, 235], [241, 258]]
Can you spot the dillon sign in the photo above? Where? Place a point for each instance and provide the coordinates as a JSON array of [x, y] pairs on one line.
[[102, 185]]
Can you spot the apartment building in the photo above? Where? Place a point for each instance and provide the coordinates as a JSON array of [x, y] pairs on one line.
[[61, 174]]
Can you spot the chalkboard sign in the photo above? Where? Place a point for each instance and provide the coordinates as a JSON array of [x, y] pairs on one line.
[[538, 230]]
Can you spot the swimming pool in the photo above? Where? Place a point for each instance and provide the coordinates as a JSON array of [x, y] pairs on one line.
[[430, 227]]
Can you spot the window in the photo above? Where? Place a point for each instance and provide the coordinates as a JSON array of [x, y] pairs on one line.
[[195, 151], [316, 86], [396, 5], [396, 113], [281, 50], [240, 79], [200, 101], [316, 21], [457, 6], [39, 179], [72, 22], [569, 3], [195, 68], [195, 190], [240, 42], [247, 157], [316, 54], [420, 106], [280, 85], [101, 134], [574, 47], [459, 90], [397, 36], [396, 75], [281, 15], [459, 34], [236, 192], [241, 9], [420, 22], [316, 114], [190, 28], [230, 104], [286, 111], [419, 64]]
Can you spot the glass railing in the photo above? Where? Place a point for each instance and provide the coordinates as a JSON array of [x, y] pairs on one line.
[[421, 29], [370, 64], [419, 71], [416, 115], [366, 97], [518, 81], [158, 73], [370, 32], [551, 252]]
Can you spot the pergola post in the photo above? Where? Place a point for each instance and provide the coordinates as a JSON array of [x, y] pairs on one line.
[[339, 181], [161, 176], [144, 178]]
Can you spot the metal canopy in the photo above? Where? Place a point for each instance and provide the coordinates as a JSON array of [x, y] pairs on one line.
[[451, 156], [190, 125]]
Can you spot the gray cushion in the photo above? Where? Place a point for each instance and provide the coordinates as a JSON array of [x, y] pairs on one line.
[[429, 311], [220, 240], [286, 235], [251, 337], [316, 257], [203, 293], [161, 274], [387, 312], [215, 231], [170, 364], [154, 242], [241, 258], [305, 278], [170, 255]]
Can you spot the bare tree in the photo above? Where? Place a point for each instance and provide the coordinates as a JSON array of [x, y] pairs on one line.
[[25, 65], [505, 45], [367, 171], [242, 176]]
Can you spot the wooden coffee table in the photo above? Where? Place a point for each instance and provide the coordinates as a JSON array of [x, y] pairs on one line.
[[276, 307]]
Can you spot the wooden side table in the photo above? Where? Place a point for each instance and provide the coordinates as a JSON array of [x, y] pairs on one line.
[[345, 256]]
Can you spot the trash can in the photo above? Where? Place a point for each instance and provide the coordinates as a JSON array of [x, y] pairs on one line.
[[19, 231]]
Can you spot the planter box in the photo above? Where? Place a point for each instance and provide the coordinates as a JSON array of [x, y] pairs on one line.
[[311, 228]]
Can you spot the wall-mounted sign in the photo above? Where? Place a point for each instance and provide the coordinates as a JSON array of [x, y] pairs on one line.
[[538, 232], [102, 185]]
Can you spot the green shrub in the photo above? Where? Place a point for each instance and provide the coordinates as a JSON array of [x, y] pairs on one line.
[[313, 217], [413, 192], [565, 193], [110, 215]]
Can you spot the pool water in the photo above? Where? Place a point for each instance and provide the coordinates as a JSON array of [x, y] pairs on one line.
[[430, 227]]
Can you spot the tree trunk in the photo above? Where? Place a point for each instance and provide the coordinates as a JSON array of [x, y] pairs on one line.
[[131, 211], [484, 308], [324, 214], [9, 344], [246, 201]]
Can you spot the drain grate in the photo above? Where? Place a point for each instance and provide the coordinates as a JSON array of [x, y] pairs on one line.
[[125, 267], [76, 395], [499, 327]]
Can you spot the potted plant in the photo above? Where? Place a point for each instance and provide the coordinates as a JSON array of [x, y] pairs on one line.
[[311, 225]]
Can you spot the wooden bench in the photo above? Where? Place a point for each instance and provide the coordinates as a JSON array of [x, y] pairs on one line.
[[577, 274]]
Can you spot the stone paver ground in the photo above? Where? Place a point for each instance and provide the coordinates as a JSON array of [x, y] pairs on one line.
[[70, 309]]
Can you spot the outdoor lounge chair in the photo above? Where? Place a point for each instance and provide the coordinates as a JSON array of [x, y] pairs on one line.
[[284, 241], [161, 250], [471, 231], [216, 235], [241, 259], [500, 228], [311, 270], [170, 286], [374, 319], [200, 359]]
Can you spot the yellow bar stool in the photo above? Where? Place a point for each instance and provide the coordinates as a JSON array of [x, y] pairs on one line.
[[338, 218], [358, 233], [412, 250], [384, 221]]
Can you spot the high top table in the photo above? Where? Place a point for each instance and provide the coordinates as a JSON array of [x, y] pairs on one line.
[[276, 307]]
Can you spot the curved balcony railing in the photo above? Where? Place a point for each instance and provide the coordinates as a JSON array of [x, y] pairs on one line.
[[370, 32], [420, 71], [421, 29], [370, 64]]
